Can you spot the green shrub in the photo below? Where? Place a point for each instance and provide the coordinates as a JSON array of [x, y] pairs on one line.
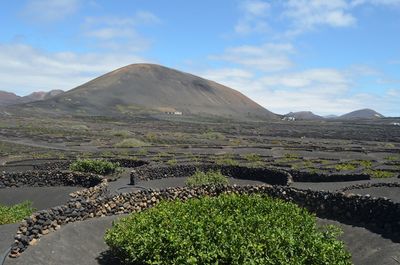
[[130, 143], [229, 229], [96, 166], [210, 177], [252, 157], [121, 133], [172, 162], [376, 173], [226, 159], [15, 213], [345, 167], [210, 135]]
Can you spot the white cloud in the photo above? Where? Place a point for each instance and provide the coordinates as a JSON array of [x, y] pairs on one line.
[[321, 90], [119, 33], [253, 17], [308, 14], [50, 10], [267, 57], [24, 69]]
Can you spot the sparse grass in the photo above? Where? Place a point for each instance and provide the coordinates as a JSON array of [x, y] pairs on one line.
[[121, 133], [142, 152], [305, 164], [229, 229], [288, 158], [130, 143], [376, 173], [15, 213], [392, 158], [172, 162], [79, 127], [345, 167], [254, 160], [226, 159], [96, 166], [210, 135], [364, 163], [210, 177]]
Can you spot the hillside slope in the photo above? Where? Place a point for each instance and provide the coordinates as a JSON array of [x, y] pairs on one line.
[[150, 88], [362, 114]]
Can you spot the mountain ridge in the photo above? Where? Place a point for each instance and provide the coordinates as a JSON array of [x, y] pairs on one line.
[[155, 89]]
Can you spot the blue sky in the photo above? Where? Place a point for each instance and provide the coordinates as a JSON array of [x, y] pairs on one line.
[[330, 57]]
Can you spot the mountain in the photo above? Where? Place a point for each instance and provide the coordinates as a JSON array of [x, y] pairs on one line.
[[9, 98], [303, 115], [41, 95], [149, 88], [331, 116], [362, 114]]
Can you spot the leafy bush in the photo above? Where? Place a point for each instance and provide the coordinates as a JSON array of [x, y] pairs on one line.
[[96, 166], [15, 213], [210, 177], [130, 142], [226, 159], [210, 135], [229, 229], [376, 173], [345, 167]]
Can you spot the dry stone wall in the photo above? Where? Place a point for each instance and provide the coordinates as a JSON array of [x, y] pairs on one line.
[[303, 176], [48, 178], [267, 175], [377, 214]]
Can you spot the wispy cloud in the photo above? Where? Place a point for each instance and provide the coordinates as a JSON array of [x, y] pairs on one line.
[[306, 15], [49, 10], [321, 90], [24, 69], [253, 17], [119, 33], [267, 57]]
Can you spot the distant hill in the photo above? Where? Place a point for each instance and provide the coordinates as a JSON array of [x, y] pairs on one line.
[[332, 116], [362, 114], [149, 88], [303, 115], [35, 96], [9, 98]]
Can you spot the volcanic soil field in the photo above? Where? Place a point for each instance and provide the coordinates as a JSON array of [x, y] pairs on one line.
[[346, 172]]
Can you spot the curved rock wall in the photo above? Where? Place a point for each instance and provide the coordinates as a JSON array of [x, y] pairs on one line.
[[267, 175], [302, 176], [48, 178], [380, 215]]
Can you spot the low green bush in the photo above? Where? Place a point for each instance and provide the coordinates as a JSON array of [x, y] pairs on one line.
[[130, 143], [15, 213], [376, 173], [210, 177], [96, 166], [345, 167], [229, 229]]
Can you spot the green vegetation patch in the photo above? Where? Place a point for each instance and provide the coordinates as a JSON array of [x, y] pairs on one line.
[[226, 159], [376, 173], [96, 166], [15, 213], [345, 167], [229, 229], [130, 143], [211, 177]]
